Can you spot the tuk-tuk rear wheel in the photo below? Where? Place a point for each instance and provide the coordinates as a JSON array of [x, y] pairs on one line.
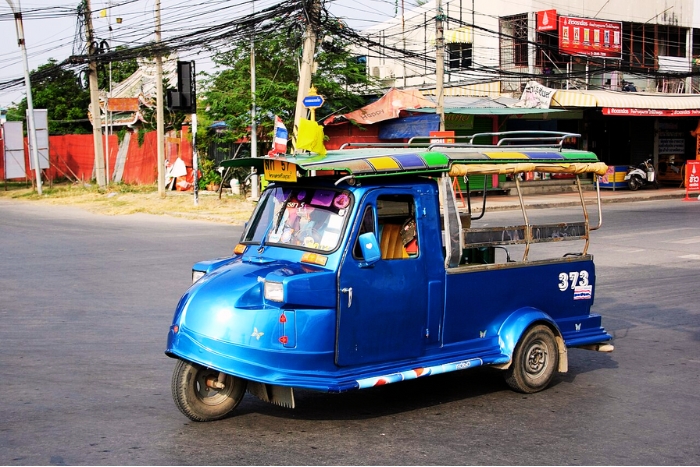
[[203, 394], [535, 361]]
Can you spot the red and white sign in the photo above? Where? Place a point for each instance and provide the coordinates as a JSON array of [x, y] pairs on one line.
[[627, 112], [547, 20], [692, 178], [442, 136], [590, 37]]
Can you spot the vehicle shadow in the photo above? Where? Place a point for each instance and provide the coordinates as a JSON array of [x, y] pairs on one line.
[[485, 384]]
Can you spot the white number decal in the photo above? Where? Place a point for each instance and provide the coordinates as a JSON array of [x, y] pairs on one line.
[[584, 278], [572, 279], [564, 284]]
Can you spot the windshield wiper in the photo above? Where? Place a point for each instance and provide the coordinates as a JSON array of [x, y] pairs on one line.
[[283, 209], [261, 248]]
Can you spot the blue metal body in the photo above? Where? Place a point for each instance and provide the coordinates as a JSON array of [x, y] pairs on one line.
[[350, 325]]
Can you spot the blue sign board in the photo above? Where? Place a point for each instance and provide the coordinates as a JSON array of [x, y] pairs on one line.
[[313, 102]]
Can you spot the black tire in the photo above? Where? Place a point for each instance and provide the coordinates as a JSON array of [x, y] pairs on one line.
[[200, 402], [634, 182], [535, 360]]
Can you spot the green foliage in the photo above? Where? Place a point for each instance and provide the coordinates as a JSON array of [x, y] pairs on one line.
[[227, 95], [141, 135], [121, 70], [209, 173], [58, 91], [121, 133]]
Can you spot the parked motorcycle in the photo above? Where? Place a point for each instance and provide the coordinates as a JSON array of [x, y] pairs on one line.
[[641, 175]]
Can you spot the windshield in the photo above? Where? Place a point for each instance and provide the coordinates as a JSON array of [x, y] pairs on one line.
[[309, 218]]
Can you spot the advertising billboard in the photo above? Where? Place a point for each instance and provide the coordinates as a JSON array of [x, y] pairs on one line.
[[590, 37]]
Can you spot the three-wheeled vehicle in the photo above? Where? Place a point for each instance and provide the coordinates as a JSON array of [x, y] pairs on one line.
[[359, 269]]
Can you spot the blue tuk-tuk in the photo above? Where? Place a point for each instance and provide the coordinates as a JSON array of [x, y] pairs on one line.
[[359, 269]]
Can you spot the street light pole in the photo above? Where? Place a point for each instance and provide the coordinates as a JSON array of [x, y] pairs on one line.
[[31, 130]]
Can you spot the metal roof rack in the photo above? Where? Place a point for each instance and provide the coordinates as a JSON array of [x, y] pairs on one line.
[[521, 138]]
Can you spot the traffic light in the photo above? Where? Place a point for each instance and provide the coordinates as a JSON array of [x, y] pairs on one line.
[[184, 98]]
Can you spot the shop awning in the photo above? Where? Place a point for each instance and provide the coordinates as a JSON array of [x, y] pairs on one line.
[[387, 107], [627, 100], [483, 106], [491, 111]]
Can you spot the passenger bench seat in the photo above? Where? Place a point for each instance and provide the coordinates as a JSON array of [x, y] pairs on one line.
[[391, 244]]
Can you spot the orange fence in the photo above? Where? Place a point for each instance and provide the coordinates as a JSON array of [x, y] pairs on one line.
[[73, 157]]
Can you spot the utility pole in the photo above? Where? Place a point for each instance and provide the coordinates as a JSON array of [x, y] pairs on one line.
[[95, 100], [160, 119], [31, 128], [254, 181], [306, 68], [440, 64], [109, 95], [403, 40]]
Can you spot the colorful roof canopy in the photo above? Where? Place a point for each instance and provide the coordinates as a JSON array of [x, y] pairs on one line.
[[424, 161]]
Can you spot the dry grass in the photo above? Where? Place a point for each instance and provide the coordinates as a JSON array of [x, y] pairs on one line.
[[127, 199]]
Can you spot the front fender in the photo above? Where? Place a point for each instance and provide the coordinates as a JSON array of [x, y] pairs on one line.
[[515, 325]]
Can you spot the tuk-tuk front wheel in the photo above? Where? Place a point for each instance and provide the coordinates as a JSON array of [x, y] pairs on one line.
[[203, 394], [535, 361]]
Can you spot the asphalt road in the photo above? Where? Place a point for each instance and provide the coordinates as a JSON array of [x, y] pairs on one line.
[[86, 301]]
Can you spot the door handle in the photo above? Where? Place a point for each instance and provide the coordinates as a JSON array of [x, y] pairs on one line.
[[348, 291]]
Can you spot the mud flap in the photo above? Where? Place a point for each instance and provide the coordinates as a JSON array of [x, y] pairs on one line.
[[278, 395]]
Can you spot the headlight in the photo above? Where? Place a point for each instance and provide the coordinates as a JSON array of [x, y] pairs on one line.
[[274, 291], [196, 275]]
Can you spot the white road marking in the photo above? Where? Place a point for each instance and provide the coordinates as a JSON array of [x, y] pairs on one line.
[[690, 256]]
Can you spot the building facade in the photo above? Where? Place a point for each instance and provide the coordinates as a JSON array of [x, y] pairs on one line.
[[623, 74]]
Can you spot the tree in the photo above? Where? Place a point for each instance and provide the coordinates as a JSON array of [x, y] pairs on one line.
[[121, 70], [59, 91], [227, 96]]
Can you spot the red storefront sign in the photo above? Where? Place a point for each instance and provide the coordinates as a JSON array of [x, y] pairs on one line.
[[627, 112], [692, 178], [591, 37], [547, 20]]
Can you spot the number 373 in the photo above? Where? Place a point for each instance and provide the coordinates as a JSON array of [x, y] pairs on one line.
[[572, 279]]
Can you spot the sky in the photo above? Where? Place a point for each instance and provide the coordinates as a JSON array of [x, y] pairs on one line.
[[50, 26]]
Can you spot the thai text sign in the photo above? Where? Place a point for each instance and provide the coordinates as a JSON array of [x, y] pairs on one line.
[[628, 112], [692, 179], [692, 176], [536, 96], [123, 104], [595, 38], [277, 170]]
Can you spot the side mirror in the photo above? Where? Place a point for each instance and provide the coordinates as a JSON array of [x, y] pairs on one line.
[[370, 249]]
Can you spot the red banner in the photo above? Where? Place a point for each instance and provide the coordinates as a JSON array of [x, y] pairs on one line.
[[627, 112], [591, 37], [547, 20]]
